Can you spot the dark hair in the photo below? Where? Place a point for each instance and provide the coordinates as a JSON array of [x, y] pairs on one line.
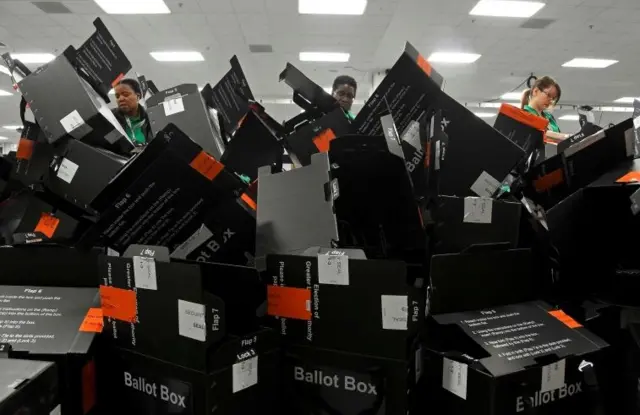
[[344, 80], [542, 84], [133, 84]]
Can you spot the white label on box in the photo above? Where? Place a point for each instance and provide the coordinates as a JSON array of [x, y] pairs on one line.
[[112, 252], [477, 210], [173, 106], [636, 123], [629, 137], [395, 312], [72, 121], [67, 170], [454, 377], [56, 411], [553, 376], [191, 320], [245, 374], [144, 273], [437, 157], [333, 269], [486, 185], [200, 236]]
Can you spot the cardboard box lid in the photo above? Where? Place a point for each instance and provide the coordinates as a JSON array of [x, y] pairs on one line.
[[489, 277], [516, 336], [55, 329], [307, 89], [16, 376], [295, 209]]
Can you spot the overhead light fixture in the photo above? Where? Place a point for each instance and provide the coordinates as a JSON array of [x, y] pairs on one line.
[[4, 93], [453, 57], [512, 96], [484, 114], [570, 117], [589, 63], [502, 8], [614, 109], [185, 56], [349, 7], [3, 138], [626, 100], [133, 6], [11, 127], [33, 57], [328, 90], [4, 70], [324, 57]]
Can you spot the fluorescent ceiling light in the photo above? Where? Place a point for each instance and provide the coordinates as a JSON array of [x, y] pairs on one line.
[[625, 100], [3, 138], [133, 6], [453, 57], [4, 70], [484, 114], [614, 109], [4, 93], [513, 96], [570, 117], [589, 63], [186, 56], [351, 7], [33, 57], [324, 57], [11, 127], [501, 8], [328, 90]]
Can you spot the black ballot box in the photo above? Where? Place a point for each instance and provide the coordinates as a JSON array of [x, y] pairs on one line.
[[28, 213], [523, 128], [476, 159], [228, 235], [253, 145], [54, 324], [67, 95], [184, 106], [176, 311], [79, 172], [162, 196], [519, 358], [307, 93], [462, 222], [27, 387], [335, 299], [323, 382], [33, 156], [242, 378], [557, 177], [315, 136]]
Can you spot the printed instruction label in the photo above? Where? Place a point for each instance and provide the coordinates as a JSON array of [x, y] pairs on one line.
[[67, 170], [200, 236], [395, 312], [454, 377], [144, 273], [173, 106], [72, 121], [477, 210], [333, 269], [245, 374], [191, 320], [553, 376], [485, 185]]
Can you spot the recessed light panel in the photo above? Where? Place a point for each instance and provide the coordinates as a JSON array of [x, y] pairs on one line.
[[4, 93], [348, 7], [453, 57], [589, 63], [33, 57], [502, 8], [324, 57], [570, 117], [133, 6], [177, 56], [625, 100]]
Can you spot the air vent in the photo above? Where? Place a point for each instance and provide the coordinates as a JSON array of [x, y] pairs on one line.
[[51, 8], [261, 48], [2, 45], [537, 23]]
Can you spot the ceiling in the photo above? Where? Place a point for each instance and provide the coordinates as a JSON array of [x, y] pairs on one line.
[[221, 28]]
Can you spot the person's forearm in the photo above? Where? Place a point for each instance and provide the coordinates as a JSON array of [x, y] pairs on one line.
[[557, 136]]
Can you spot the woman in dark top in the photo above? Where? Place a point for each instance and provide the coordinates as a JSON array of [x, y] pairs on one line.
[[130, 114]]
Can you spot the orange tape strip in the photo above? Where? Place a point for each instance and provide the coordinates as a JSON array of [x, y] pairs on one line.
[[25, 149], [566, 319], [289, 302], [549, 180], [252, 204], [207, 165], [323, 139], [424, 65], [118, 303], [93, 321], [631, 177], [47, 225]]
